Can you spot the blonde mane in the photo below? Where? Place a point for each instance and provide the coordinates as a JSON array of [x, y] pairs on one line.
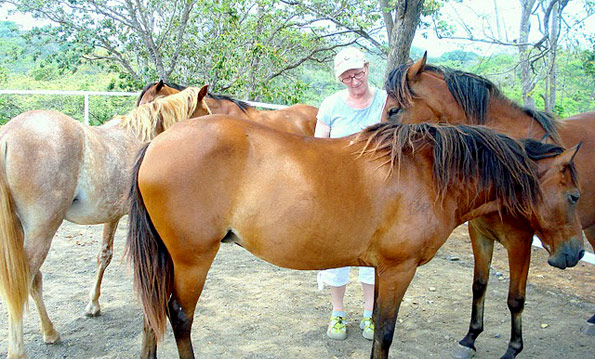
[[148, 120]]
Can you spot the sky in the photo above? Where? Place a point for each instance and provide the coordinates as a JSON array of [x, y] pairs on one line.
[[480, 15]]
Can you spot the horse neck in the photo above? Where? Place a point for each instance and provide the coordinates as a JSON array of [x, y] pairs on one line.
[[471, 203], [201, 110], [226, 107], [507, 118], [113, 131]]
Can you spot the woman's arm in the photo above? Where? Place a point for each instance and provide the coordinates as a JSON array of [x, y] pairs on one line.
[[322, 129]]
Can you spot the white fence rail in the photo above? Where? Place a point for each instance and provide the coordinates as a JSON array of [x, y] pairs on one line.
[[589, 257], [86, 95]]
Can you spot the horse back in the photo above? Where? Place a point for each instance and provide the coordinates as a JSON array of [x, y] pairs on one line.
[[299, 119]]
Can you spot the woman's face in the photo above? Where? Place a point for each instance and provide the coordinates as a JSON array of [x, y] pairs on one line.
[[356, 80]]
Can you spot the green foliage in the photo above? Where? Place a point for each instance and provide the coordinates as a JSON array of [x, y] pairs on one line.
[[101, 108], [262, 50], [576, 85]]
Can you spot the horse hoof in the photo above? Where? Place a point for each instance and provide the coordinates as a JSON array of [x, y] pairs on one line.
[[463, 352], [52, 337], [92, 310], [589, 329], [16, 356]]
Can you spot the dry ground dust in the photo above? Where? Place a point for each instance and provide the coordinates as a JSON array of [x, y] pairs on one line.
[[251, 309]]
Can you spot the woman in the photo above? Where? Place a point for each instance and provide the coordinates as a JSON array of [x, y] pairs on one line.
[[344, 113]]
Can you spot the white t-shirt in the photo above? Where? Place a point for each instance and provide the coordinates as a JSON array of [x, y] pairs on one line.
[[344, 120]]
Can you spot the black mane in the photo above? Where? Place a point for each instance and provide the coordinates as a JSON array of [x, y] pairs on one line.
[[472, 92]]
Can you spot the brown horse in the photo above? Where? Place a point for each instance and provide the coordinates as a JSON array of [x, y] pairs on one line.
[[299, 119], [294, 201], [424, 93], [55, 168]]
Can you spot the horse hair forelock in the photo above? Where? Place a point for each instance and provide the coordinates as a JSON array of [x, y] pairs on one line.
[[148, 120], [460, 154], [398, 88]]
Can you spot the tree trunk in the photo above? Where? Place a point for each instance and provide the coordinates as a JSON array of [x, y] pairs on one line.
[[524, 52], [550, 94], [552, 75], [401, 31]]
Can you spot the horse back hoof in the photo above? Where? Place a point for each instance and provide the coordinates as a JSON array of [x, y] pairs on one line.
[[16, 356], [92, 310], [463, 352], [589, 329]]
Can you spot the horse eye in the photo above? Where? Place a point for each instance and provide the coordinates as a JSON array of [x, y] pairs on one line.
[[573, 197], [393, 111]]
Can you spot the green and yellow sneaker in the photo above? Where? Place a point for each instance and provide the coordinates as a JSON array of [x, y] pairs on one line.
[[367, 327], [337, 329]]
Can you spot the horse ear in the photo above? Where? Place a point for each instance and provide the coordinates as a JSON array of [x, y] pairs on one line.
[[203, 92], [566, 157], [160, 85], [417, 68]]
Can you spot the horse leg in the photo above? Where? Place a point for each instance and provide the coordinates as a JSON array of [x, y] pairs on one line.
[[519, 258], [590, 327], [16, 344], [50, 335], [391, 285], [483, 249], [149, 346], [103, 260], [37, 244], [188, 285]]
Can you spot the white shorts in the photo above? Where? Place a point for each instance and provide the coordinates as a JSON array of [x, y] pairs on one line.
[[338, 277]]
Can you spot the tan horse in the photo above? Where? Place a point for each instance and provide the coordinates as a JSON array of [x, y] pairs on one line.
[[420, 92], [299, 119], [53, 168], [387, 197]]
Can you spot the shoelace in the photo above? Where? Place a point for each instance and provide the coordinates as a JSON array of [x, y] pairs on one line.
[[368, 323], [338, 323]]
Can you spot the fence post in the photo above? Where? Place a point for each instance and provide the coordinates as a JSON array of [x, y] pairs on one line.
[[86, 109]]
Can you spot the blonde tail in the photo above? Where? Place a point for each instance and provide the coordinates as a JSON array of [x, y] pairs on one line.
[[14, 266]]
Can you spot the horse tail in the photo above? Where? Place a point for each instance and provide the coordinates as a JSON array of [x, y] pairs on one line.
[[14, 266], [151, 262]]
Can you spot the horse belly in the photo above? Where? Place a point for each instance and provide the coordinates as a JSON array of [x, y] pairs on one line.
[[83, 210], [103, 179], [302, 243]]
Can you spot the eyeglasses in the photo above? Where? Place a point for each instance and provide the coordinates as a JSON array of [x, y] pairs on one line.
[[357, 76]]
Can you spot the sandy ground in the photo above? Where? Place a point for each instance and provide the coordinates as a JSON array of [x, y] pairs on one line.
[[251, 309]]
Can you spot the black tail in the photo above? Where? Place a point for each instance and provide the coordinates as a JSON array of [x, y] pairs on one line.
[[151, 262]]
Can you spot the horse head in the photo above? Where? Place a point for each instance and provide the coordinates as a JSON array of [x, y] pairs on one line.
[[419, 92], [156, 90], [555, 220]]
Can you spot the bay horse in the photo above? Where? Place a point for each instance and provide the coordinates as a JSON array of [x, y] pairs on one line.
[[420, 92], [387, 197], [299, 118], [53, 168]]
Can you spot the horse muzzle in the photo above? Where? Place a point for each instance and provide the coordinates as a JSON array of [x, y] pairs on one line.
[[568, 254]]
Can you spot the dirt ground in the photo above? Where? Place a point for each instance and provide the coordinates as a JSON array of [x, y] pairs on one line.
[[251, 309]]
